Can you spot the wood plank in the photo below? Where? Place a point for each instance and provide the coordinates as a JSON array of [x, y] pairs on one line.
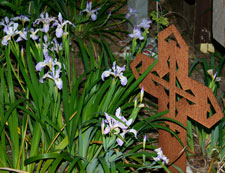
[[219, 21], [203, 21]]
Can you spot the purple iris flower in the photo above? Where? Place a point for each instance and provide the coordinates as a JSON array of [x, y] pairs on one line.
[[145, 23], [160, 156], [33, 33], [6, 23], [90, 12], [117, 72], [46, 20], [137, 34], [10, 31], [130, 13], [117, 127], [22, 35], [22, 18], [60, 24], [53, 73]]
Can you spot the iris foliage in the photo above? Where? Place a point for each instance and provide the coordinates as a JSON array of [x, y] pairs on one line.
[[53, 119]]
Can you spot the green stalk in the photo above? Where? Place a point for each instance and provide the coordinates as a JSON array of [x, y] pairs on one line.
[[13, 119], [23, 134], [190, 139], [67, 57], [2, 115], [35, 143]]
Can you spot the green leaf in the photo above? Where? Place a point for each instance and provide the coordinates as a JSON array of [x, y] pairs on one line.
[[58, 162], [41, 157], [83, 53], [73, 163], [10, 110], [104, 164]]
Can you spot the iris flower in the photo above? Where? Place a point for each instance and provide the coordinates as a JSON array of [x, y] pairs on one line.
[[53, 73], [92, 13], [117, 72], [137, 34], [46, 20], [130, 13], [22, 35], [144, 23], [6, 23], [117, 127], [10, 31], [33, 33], [60, 24], [213, 76], [22, 18], [160, 156]]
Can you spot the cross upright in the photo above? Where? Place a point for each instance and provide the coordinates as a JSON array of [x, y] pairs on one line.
[[168, 81]]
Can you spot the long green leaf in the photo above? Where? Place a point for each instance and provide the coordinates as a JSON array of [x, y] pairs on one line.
[[41, 157], [104, 165]]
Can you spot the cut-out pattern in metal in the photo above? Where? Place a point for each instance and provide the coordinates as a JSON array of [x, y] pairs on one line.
[[168, 81]]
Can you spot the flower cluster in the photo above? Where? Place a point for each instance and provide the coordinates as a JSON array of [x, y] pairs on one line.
[[117, 127], [51, 46], [90, 12], [50, 22], [160, 156], [145, 24], [50, 43], [117, 72], [137, 33], [12, 31]]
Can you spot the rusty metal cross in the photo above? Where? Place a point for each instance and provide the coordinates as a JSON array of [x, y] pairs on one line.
[[168, 81]]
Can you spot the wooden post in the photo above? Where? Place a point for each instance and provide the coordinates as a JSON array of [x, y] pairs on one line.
[[168, 81], [203, 21]]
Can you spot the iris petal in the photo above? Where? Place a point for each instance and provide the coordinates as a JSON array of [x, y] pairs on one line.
[[105, 74], [59, 83], [123, 80], [40, 65], [119, 141]]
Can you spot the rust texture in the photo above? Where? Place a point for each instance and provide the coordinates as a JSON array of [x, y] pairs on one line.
[[168, 81]]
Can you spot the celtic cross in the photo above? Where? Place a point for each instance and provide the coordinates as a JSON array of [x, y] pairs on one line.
[[168, 81]]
